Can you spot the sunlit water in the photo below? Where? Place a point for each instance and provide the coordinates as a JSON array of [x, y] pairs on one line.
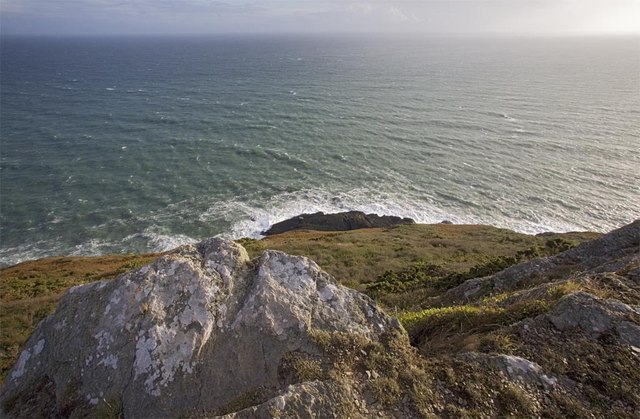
[[128, 145]]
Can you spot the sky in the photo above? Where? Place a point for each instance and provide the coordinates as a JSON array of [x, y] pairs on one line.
[[147, 17]]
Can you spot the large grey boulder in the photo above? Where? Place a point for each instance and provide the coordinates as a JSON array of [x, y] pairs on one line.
[[189, 335]]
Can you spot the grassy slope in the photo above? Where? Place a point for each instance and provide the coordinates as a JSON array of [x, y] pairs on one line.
[[358, 257], [29, 291]]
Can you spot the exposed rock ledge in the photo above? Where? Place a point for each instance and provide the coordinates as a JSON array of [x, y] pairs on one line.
[[188, 335], [608, 253], [341, 221]]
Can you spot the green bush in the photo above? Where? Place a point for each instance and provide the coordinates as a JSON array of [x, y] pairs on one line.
[[425, 274]]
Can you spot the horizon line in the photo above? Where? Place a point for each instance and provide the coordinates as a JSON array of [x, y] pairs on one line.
[[326, 33]]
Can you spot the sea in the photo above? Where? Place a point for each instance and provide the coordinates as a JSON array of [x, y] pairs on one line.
[[112, 145]]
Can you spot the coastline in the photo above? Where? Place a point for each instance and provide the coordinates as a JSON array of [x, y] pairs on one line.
[[184, 240], [355, 258]]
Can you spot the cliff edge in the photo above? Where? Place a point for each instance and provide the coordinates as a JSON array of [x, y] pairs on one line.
[[206, 331]]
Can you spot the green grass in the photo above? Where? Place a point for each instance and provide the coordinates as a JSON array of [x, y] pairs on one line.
[[432, 279], [358, 258], [468, 327], [462, 328]]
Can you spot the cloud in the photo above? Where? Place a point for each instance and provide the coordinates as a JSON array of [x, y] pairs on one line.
[[398, 15], [206, 6], [208, 16], [360, 8], [106, 17], [373, 16], [115, 7]]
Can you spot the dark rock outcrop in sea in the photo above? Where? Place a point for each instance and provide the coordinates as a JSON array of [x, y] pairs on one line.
[[341, 221]]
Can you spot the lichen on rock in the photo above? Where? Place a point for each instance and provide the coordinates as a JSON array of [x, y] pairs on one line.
[[187, 333]]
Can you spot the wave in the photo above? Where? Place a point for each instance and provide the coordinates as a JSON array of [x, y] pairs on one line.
[[501, 115], [152, 239], [252, 219], [14, 255], [159, 240], [249, 217]]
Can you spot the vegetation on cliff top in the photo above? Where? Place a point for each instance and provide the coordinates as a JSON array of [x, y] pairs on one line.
[[465, 353], [389, 264]]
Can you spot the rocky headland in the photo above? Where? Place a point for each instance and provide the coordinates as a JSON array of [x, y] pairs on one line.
[[458, 321], [342, 221]]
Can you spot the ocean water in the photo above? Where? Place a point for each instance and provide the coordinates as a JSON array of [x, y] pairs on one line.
[[132, 145]]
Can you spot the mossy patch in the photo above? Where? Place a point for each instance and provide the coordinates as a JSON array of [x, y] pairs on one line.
[[605, 372]]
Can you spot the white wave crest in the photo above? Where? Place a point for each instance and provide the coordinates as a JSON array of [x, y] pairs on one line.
[[251, 220], [158, 239]]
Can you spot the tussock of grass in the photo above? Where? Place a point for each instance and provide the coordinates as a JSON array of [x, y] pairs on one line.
[[456, 317], [385, 390], [559, 290], [298, 366], [514, 401], [433, 328], [389, 368]]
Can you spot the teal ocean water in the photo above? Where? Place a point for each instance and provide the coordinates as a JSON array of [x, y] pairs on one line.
[[132, 145]]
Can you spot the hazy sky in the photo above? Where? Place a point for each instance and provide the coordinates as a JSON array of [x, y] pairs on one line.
[[62, 17]]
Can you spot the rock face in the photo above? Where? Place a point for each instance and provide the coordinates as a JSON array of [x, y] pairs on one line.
[[201, 331], [552, 337], [609, 253], [342, 221], [596, 316]]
